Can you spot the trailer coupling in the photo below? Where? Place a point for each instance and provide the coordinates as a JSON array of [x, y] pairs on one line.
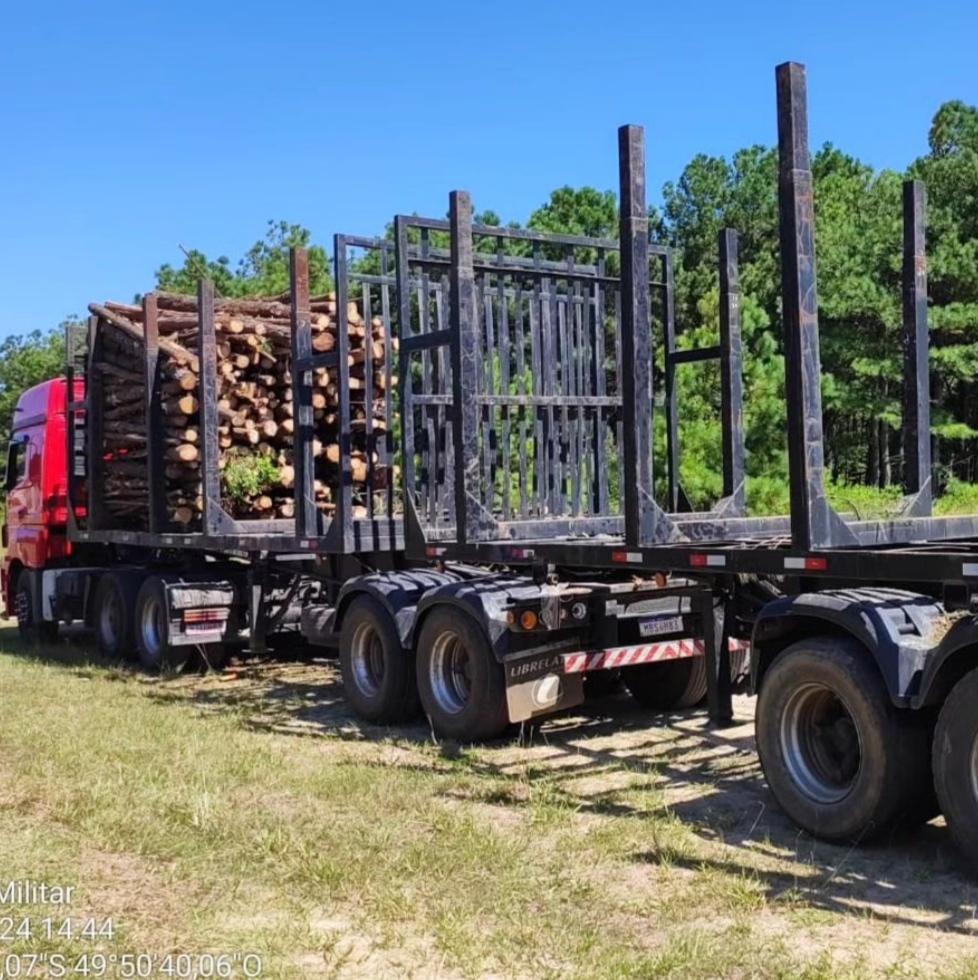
[[542, 684]]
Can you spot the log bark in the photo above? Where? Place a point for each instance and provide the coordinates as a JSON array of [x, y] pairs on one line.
[[180, 354]]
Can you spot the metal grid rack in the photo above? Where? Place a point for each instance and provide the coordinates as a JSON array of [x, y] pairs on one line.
[[345, 532], [812, 539]]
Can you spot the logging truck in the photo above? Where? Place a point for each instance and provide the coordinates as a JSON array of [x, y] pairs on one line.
[[444, 472]]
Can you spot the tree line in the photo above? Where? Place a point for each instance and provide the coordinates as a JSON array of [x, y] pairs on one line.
[[859, 242]]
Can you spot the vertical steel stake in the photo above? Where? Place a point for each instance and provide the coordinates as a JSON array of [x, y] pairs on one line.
[[811, 525], [731, 374], [207, 400], [465, 380], [306, 515], [916, 399], [636, 342]]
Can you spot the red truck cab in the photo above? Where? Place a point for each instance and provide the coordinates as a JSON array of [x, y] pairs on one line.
[[35, 532]]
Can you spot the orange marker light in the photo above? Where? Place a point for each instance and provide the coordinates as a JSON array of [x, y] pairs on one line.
[[528, 619]]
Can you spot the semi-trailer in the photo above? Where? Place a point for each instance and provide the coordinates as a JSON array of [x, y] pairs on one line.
[[522, 545]]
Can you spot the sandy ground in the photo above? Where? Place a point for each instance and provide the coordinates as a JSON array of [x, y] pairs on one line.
[[901, 894]]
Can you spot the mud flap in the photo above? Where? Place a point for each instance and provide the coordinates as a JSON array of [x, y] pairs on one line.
[[198, 611], [538, 686]]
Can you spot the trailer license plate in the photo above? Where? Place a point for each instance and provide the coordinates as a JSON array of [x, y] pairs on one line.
[[193, 629], [660, 625]]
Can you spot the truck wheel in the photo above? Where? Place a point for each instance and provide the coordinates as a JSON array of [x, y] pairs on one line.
[[378, 673], [838, 757], [956, 764], [667, 686], [460, 682], [601, 683], [33, 630], [153, 630], [113, 609]]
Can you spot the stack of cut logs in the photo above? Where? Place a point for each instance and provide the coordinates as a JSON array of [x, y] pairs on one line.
[[255, 406]]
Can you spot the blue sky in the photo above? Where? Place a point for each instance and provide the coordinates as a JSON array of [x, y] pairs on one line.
[[131, 128]]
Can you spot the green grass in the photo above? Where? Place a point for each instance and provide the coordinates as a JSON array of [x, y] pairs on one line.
[[769, 497], [345, 856]]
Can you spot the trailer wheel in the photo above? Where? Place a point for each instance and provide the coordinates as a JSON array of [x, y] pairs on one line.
[[460, 682], [378, 673], [956, 764], [112, 611], [667, 686], [601, 683], [33, 630], [156, 653], [838, 757]]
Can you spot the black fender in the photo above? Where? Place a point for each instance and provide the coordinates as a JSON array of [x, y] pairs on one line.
[[398, 592], [486, 599], [956, 654], [900, 631]]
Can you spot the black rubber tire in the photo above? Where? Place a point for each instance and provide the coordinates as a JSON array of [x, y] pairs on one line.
[[478, 714], [740, 670], [890, 783], [668, 686], [955, 739], [601, 683], [113, 614], [33, 631], [380, 681], [152, 627]]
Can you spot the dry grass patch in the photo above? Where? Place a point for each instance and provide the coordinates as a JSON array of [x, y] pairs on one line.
[[253, 814]]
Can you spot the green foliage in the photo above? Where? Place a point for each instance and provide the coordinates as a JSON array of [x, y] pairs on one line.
[[584, 211], [859, 230], [27, 360], [958, 498], [247, 475], [262, 271]]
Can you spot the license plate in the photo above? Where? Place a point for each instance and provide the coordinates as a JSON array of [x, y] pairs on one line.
[[192, 629], [660, 625]]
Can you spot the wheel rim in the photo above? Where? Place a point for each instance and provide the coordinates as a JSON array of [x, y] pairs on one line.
[[820, 744], [110, 620], [450, 673], [152, 625], [367, 659], [974, 767]]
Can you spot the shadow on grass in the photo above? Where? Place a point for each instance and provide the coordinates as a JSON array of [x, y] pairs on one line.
[[608, 760]]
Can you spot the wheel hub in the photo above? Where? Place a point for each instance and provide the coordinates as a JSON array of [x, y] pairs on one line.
[[110, 620], [974, 767], [367, 659], [450, 673], [152, 625], [820, 744]]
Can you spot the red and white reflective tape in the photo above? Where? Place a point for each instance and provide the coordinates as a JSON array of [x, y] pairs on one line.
[[578, 663]]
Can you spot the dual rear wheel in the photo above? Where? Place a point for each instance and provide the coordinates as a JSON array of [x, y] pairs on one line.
[[378, 673], [839, 758], [454, 680], [131, 619], [955, 761]]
